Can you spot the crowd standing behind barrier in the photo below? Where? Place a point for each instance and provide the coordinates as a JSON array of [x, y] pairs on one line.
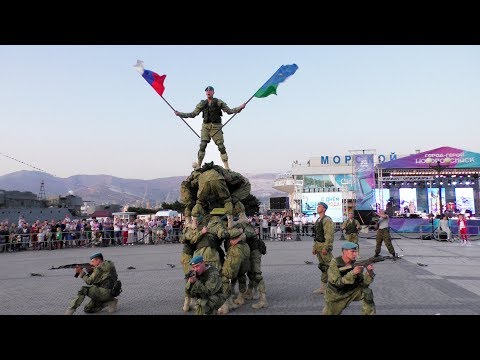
[[69, 233]]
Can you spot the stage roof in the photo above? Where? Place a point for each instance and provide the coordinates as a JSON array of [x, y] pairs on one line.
[[460, 159]]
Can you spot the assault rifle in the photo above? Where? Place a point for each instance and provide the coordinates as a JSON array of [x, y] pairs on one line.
[[366, 262], [190, 274], [86, 266]]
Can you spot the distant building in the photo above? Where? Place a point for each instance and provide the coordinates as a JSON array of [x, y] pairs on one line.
[[15, 203]]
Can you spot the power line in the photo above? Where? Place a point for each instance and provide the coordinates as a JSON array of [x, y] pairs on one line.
[[22, 162]]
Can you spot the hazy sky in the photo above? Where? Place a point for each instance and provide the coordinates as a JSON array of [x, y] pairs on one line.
[[84, 109]]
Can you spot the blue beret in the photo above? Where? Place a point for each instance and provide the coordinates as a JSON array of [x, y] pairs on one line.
[[93, 256], [209, 87], [196, 259], [323, 204], [349, 246]]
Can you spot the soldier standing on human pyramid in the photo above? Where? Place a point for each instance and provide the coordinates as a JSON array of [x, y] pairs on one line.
[[211, 109], [210, 188]]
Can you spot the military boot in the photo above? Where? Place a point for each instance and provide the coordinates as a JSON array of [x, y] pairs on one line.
[[224, 158], [201, 155], [231, 303], [240, 299], [248, 294], [186, 304], [262, 303], [70, 311], [321, 289], [112, 306], [223, 310]]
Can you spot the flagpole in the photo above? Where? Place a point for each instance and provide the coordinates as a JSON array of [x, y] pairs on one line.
[[180, 116], [221, 127]]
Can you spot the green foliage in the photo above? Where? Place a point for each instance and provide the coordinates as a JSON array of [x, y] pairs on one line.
[[139, 210], [177, 206]]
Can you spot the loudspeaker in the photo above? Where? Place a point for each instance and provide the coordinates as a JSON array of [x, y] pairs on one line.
[[279, 203]]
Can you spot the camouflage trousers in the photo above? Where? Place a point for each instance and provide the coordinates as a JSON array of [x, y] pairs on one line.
[[334, 305], [255, 272], [352, 237], [211, 305], [185, 261], [323, 260], [383, 235], [208, 131], [236, 265], [99, 297]]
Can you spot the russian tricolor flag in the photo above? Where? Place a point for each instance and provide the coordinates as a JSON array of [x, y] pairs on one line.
[[155, 80]]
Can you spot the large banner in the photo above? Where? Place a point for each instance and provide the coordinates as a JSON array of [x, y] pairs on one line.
[[332, 199], [459, 159], [365, 182]]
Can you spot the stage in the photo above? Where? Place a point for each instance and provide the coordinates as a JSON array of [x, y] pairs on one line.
[[420, 225]]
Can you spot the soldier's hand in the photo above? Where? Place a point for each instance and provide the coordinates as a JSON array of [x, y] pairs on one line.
[[357, 270], [192, 279], [370, 267], [176, 112], [324, 251], [204, 230], [78, 269], [314, 251]]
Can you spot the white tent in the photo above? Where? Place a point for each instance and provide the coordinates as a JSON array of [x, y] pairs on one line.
[[167, 213]]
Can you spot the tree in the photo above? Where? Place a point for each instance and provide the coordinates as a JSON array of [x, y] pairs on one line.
[[139, 210], [177, 206]]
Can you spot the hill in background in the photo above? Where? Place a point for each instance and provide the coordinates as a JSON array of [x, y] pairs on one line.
[[106, 189]]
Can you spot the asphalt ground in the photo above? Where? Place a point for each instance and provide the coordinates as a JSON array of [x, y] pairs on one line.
[[431, 278]]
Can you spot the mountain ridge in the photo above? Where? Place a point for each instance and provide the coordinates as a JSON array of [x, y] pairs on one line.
[[109, 189]]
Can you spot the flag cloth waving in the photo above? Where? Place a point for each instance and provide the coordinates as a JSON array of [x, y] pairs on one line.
[[270, 87], [155, 80]]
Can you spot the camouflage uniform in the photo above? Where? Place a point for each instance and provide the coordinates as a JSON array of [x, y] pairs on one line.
[[208, 244], [211, 183], [383, 235], [208, 290], [98, 289], [324, 230], [351, 230], [236, 261], [240, 189], [212, 122], [256, 281], [344, 287], [188, 248]]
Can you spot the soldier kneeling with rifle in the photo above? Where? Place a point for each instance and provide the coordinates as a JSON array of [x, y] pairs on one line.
[[347, 283], [102, 286]]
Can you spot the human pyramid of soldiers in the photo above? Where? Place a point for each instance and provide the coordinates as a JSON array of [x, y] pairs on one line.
[[220, 246]]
